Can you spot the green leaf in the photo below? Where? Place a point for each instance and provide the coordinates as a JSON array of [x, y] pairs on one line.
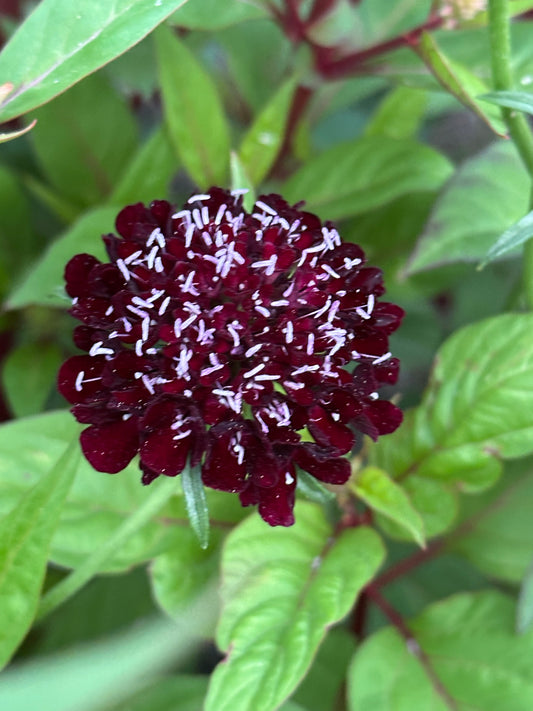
[[25, 535], [314, 490], [496, 534], [459, 81], [477, 410], [513, 237], [91, 677], [15, 219], [518, 100], [44, 283], [193, 112], [524, 611], [469, 642], [83, 140], [196, 503], [11, 135], [363, 174], [261, 144], [375, 488], [400, 114], [282, 588], [147, 175], [487, 194], [209, 15], [86, 36], [27, 376], [183, 693], [241, 181], [183, 570]]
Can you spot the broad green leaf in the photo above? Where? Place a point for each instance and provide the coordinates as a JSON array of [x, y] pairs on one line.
[[182, 693], [261, 144], [497, 532], [28, 375], [83, 140], [524, 612], [147, 175], [487, 194], [211, 15], [86, 35], [183, 570], [196, 503], [97, 503], [282, 589], [469, 642], [241, 181], [513, 237], [382, 494], [59, 206], [92, 677], [434, 502], [323, 684], [25, 535], [518, 100], [313, 489], [363, 174], [459, 81], [44, 283], [193, 112], [400, 114], [477, 410]]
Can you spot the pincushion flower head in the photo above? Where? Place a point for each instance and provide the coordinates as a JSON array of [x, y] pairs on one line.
[[245, 344]]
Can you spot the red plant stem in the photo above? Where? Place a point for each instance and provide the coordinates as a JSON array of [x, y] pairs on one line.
[[412, 645], [407, 564], [320, 9], [359, 616], [345, 65]]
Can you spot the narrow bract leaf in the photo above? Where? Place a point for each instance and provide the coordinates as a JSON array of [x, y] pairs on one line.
[[282, 589], [25, 535], [209, 15], [524, 610], [240, 180], [459, 81], [516, 235], [196, 503], [518, 100], [385, 496], [5, 137], [400, 113], [359, 175], [313, 490], [86, 35], [262, 142], [193, 112], [469, 642]]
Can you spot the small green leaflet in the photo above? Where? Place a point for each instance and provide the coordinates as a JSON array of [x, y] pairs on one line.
[[196, 503]]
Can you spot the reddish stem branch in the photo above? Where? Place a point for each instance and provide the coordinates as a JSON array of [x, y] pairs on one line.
[[337, 68], [320, 9], [412, 645], [407, 564]]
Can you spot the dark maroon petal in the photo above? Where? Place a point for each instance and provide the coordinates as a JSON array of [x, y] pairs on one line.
[[163, 453], [225, 464], [322, 465], [385, 416], [111, 447], [80, 378], [329, 433], [77, 274], [276, 504]]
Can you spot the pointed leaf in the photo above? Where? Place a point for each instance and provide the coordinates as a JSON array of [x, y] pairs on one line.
[[262, 142], [25, 535], [400, 113], [27, 387], [519, 100], [282, 588], [357, 176], [209, 15], [86, 35], [314, 490], [11, 135], [459, 81], [193, 112], [513, 237], [524, 612], [385, 496], [196, 503], [241, 181]]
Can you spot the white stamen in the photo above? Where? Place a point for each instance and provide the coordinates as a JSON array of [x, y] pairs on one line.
[[370, 303], [264, 312], [349, 263], [233, 333], [280, 302], [288, 479], [205, 215], [239, 191], [159, 265], [289, 332], [310, 344], [132, 257], [212, 369], [109, 311], [266, 208], [382, 358], [219, 215], [138, 348], [267, 377], [125, 272], [164, 305], [251, 351], [188, 235], [257, 369], [145, 328], [79, 381], [148, 384], [330, 271], [182, 213], [362, 313], [138, 312], [373, 396], [198, 198], [197, 217]]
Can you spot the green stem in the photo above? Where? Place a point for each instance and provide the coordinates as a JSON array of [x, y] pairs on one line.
[[516, 122], [77, 578]]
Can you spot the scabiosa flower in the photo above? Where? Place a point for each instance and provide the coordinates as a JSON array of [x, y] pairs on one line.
[[248, 344]]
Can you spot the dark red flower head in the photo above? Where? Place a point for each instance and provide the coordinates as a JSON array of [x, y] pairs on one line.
[[248, 343]]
